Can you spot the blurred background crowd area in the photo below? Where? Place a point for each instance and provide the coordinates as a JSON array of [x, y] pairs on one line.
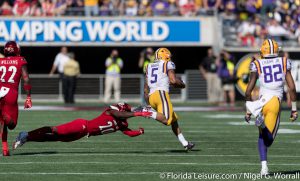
[[244, 22]]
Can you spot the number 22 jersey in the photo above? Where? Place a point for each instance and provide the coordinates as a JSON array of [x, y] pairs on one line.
[[271, 72], [11, 71], [157, 75]]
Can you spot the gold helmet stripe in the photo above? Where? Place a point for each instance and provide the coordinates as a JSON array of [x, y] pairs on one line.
[[271, 46], [156, 53]]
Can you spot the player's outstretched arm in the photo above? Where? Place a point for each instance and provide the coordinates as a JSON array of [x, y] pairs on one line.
[[27, 87], [293, 95], [175, 81], [133, 133], [125, 115]]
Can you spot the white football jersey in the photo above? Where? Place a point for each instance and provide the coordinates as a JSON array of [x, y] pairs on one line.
[[157, 75], [271, 72]]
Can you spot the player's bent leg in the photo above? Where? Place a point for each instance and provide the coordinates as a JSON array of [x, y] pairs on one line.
[[156, 103], [268, 131], [271, 113]]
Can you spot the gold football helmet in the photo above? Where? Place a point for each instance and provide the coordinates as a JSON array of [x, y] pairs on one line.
[[163, 54], [269, 48]]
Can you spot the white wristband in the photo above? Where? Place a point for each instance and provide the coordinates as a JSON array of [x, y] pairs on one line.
[[294, 106]]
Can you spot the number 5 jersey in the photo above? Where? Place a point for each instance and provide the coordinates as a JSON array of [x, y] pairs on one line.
[[157, 75], [271, 74]]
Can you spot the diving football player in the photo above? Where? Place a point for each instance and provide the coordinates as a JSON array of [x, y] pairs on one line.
[[113, 119], [159, 76], [272, 71]]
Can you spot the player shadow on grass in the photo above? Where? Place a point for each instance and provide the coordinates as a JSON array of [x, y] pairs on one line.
[[104, 152], [293, 172], [183, 151], [36, 153]]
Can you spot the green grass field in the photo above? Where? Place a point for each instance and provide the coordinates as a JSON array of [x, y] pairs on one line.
[[225, 144]]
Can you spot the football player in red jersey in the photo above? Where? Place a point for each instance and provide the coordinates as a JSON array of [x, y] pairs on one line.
[[113, 119], [12, 68]]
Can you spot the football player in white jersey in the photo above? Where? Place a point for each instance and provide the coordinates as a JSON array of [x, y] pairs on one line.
[[159, 76], [272, 71]]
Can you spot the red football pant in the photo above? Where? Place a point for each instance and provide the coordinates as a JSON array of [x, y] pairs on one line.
[[67, 132], [9, 108]]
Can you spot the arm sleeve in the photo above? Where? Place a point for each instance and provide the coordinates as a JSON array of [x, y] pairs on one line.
[[288, 64], [253, 67], [131, 133], [171, 66]]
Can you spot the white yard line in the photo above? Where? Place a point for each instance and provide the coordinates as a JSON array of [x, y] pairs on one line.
[[158, 141], [153, 163], [78, 173]]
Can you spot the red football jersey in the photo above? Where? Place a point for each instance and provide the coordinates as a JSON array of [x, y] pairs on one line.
[[11, 71], [105, 124]]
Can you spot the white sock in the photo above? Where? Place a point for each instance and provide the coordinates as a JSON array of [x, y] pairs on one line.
[[182, 139], [154, 115], [264, 164]]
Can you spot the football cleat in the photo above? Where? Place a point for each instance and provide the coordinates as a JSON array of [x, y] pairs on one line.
[[20, 140], [259, 122], [5, 153], [189, 147], [264, 171]]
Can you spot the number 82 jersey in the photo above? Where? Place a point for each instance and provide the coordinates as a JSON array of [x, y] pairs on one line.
[[157, 75], [271, 72], [11, 71]]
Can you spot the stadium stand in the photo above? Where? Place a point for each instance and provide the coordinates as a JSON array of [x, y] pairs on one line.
[[245, 22]]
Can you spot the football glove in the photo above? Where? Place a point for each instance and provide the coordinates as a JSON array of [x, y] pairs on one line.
[[143, 114], [28, 103], [294, 116], [142, 130], [248, 117]]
